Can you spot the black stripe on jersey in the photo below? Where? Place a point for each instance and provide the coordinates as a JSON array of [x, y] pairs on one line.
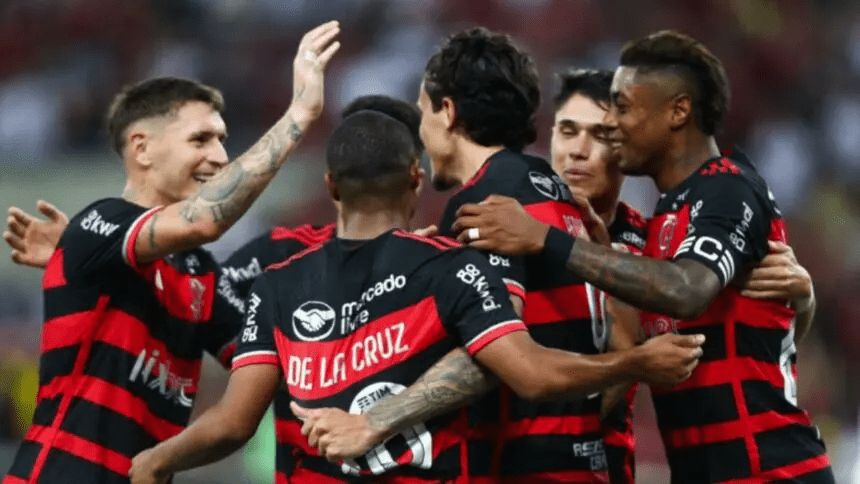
[[714, 348], [46, 410], [522, 409], [480, 456], [27, 454], [57, 362], [572, 334], [761, 397], [63, 468], [762, 344], [114, 365], [696, 406], [447, 463], [106, 427], [322, 466], [67, 300], [787, 445], [485, 409], [723, 461], [821, 476], [552, 453]]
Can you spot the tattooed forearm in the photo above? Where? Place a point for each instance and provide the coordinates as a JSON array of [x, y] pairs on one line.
[[680, 289], [228, 195], [452, 382]]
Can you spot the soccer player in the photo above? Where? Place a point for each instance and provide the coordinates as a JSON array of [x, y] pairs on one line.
[[736, 419], [129, 299], [359, 317]]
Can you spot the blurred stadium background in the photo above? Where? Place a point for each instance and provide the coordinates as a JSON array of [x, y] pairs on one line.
[[794, 67]]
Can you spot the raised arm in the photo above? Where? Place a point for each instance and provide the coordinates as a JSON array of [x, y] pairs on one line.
[[220, 431], [206, 215]]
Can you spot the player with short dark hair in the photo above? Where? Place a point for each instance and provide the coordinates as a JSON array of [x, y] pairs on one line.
[[362, 316], [737, 417], [130, 301]]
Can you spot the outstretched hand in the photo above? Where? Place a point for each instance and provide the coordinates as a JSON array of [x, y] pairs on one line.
[[503, 226], [315, 51], [33, 240]]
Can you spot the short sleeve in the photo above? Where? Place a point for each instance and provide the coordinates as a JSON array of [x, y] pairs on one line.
[[256, 345], [728, 226], [473, 302], [103, 236], [245, 264], [226, 322], [512, 269]]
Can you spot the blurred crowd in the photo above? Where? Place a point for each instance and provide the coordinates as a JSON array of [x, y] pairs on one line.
[[794, 67]]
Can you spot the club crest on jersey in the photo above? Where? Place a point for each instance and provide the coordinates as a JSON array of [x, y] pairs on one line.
[[313, 321], [574, 225], [545, 185], [667, 234]]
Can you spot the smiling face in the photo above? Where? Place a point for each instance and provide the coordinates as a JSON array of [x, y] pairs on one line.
[[184, 150], [436, 134], [640, 118], [581, 154]]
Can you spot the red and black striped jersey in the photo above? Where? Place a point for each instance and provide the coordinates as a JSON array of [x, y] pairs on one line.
[[121, 348], [238, 274], [627, 231], [525, 441], [350, 322], [736, 419]]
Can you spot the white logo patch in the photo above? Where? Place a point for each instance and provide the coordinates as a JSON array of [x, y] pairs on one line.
[[379, 459], [545, 185], [94, 223], [471, 276], [313, 321]]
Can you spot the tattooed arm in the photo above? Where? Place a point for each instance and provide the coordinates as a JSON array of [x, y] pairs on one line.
[[216, 206]]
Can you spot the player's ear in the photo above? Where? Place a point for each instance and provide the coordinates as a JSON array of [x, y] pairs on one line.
[[681, 109], [450, 111], [332, 187], [137, 144], [416, 174]]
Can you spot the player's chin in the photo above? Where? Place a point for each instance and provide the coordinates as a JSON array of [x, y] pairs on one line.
[[442, 183]]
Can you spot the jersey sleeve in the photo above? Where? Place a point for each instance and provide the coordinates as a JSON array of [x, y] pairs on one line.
[[512, 269], [246, 263], [728, 226], [103, 236], [473, 302], [225, 324], [256, 345]]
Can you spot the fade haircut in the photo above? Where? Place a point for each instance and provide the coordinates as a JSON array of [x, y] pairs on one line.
[[493, 84], [591, 83], [155, 98], [405, 112], [369, 155], [671, 52]]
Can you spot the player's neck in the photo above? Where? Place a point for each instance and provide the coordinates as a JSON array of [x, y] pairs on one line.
[[138, 194], [471, 157], [365, 224], [684, 158], [606, 211]]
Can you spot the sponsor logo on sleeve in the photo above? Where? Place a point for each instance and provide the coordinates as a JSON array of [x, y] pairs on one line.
[[545, 185], [472, 277], [94, 223]]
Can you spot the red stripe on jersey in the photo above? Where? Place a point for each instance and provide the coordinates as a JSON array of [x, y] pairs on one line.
[[115, 398], [556, 304], [13, 480], [786, 472], [289, 432], [421, 238], [297, 255], [63, 409], [618, 438], [569, 424], [493, 333], [69, 329], [54, 274], [474, 179], [306, 476], [185, 296], [572, 477], [561, 215], [306, 234], [253, 359], [710, 373], [719, 432], [374, 347], [132, 335], [133, 232], [85, 449]]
